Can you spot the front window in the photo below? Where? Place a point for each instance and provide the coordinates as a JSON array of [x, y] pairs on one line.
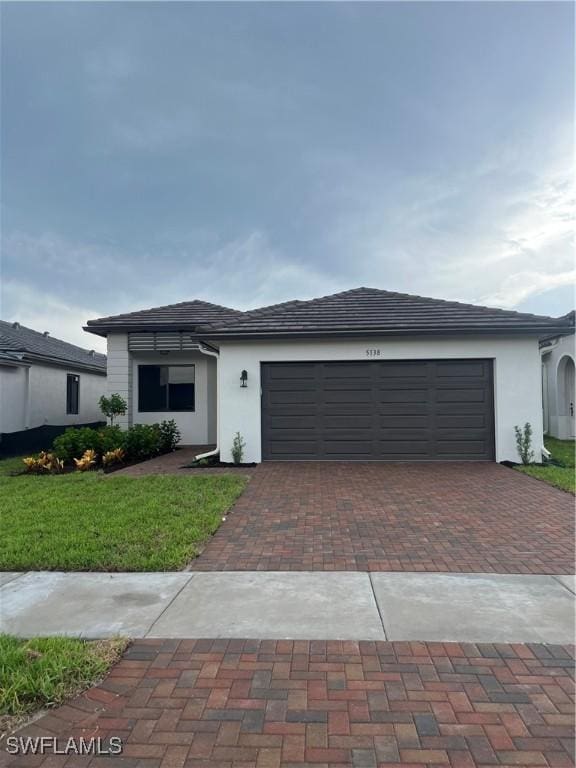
[[165, 388], [72, 393]]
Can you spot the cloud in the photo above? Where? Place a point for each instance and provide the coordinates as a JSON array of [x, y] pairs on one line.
[[43, 311], [522, 285], [495, 235]]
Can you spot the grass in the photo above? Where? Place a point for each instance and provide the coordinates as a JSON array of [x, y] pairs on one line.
[[94, 522], [563, 451], [11, 465], [43, 672]]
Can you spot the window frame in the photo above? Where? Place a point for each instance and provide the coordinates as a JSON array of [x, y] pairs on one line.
[[75, 378], [167, 409]]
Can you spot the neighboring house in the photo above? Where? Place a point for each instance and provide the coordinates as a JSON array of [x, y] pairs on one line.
[[558, 383], [45, 385], [363, 375]]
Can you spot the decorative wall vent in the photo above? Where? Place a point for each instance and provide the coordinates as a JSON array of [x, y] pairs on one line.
[[161, 342]]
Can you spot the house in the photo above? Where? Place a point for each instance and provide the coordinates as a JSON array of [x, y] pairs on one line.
[[365, 374], [558, 383], [45, 385]]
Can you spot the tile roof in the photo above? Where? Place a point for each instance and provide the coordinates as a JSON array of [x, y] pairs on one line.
[[186, 314], [359, 311], [19, 342]]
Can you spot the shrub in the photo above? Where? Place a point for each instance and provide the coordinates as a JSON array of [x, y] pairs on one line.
[[524, 443], [142, 441], [76, 441], [169, 436], [115, 405], [87, 461], [238, 446], [44, 462], [113, 457], [111, 439]]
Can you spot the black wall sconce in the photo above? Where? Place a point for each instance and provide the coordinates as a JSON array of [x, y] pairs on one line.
[[244, 379]]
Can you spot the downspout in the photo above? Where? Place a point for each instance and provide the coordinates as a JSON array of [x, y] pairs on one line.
[[212, 353]]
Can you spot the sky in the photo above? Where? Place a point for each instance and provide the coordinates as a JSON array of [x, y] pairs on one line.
[[250, 153]]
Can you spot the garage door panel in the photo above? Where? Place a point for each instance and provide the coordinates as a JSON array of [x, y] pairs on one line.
[[295, 397], [286, 371], [472, 395], [348, 447], [304, 448], [389, 410], [355, 421], [389, 448], [403, 421], [462, 421], [461, 369], [347, 409], [402, 409], [402, 369], [344, 371], [402, 395], [461, 447], [348, 396]]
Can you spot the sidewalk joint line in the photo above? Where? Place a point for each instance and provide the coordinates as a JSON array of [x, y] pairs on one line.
[[380, 613], [157, 619], [556, 577]]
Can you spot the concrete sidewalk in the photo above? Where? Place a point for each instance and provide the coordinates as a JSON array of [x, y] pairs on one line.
[[480, 608]]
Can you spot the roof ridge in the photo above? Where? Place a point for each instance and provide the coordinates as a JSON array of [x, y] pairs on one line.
[[165, 306], [273, 309]]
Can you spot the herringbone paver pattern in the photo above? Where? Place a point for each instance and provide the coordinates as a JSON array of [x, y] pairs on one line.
[[266, 704], [453, 517]]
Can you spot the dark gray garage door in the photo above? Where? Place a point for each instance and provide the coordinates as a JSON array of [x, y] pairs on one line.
[[424, 410]]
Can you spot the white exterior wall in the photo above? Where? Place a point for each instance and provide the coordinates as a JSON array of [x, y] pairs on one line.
[[46, 402], [13, 390], [557, 420], [517, 380], [195, 426]]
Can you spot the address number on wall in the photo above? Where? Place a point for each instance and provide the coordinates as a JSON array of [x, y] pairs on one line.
[[373, 353]]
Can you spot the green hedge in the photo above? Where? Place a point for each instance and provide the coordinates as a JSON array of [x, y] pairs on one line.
[[142, 441]]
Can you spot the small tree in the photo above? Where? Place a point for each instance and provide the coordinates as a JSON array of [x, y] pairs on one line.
[[524, 443], [112, 406], [238, 446]]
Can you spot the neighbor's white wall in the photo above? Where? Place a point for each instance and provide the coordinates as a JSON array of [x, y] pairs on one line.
[[194, 425], [12, 398], [558, 422], [47, 401], [517, 380]]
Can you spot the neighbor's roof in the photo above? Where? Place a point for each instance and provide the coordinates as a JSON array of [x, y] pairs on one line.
[[361, 311], [20, 343]]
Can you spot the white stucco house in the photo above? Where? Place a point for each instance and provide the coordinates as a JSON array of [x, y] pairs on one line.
[[46, 385], [365, 374], [558, 381]]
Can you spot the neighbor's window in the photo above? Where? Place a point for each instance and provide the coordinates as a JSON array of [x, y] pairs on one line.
[[165, 387], [72, 393]]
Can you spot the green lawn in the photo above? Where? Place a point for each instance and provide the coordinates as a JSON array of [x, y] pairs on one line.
[[562, 477], [97, 522], [43, 672]]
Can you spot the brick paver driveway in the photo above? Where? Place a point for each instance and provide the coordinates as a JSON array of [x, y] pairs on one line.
[[395, 517], [266, 704]]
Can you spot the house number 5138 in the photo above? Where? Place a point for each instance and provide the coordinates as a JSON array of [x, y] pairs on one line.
[[373, 353]]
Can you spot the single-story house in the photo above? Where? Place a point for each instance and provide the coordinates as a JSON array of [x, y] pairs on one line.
[[46, 385], [365, 374], [558, 382]]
